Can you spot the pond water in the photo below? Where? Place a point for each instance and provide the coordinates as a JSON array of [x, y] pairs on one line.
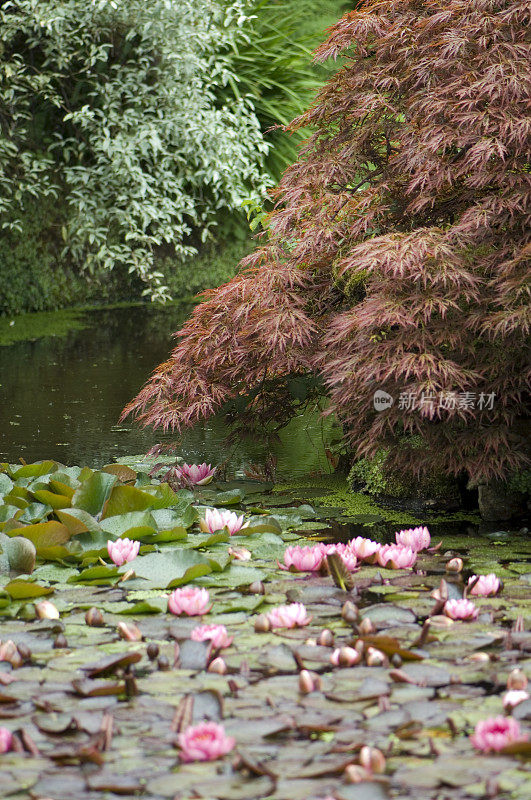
[[61, 398]]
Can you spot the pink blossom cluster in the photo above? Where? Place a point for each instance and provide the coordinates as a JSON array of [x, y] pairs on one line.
[[461, 609], [217, 634], [194, 474], [122, 550], [495, 733], [293, 615], [485, 586], [216, 520], [189, 600], [394, 556], [415, 538], [204, 742]]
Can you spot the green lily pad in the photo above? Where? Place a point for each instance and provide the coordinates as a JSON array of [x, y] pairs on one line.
[[93, 492]]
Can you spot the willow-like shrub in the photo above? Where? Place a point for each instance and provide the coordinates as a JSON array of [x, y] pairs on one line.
[[398, 254], [116, 108]]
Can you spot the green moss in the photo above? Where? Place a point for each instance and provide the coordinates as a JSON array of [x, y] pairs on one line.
[[26, 327], [336, 494]]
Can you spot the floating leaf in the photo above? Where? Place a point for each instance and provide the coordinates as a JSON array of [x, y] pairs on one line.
[[93, 492], [25, 590], [46, 535]]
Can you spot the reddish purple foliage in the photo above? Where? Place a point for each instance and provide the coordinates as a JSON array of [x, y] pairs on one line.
[[399, 248]]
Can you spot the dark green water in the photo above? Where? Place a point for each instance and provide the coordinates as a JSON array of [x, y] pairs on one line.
[[61, 397]]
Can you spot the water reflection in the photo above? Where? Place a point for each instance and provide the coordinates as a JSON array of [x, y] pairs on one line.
[[61, 398]]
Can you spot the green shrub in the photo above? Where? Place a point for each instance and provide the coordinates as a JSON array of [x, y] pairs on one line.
[[115, 108]]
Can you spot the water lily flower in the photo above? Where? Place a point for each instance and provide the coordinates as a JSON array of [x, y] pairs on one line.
[[194, 474], [291, 616], [204, 742], [216, 520], [514, 697], [486, 585], [460, 609], [303, 559], [189, 600], [416, 538], [122, 550], [495, 733], [394, 556], [364, 549], [347, 554], [6, 740], [216, 633]]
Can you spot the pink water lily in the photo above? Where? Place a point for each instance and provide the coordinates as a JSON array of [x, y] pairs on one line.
[[216, 520], [347, 554], [122, 550], [189, 600], [485, 586], [461, 609], [291, 616], [216, 633], [194, 474], [415, 538], [364, 549], [303, 559], [6, 740], [394, 556], [204, 742], [495, 733]]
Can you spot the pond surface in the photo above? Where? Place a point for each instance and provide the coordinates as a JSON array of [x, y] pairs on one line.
[[61, 398]]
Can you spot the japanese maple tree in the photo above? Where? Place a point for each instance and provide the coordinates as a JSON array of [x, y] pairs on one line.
[[397, 253]]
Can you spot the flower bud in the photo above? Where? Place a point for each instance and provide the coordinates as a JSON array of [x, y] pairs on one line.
[[326, 638], [375, 658], [218, 666], [46, 610], [454, 565], [350, 612], [24, 651], [372, 759], [262, 624], [60, 641], [517, 680], [152, 651], [240, 553], [345, 657], [356, 774], [257, 587], [308, 682], [129, 631], [94, 618], [480, 657], [365, 628], [359, 645], [9, 652]]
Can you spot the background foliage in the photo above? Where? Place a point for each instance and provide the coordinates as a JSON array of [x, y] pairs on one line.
[[117, 112]]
